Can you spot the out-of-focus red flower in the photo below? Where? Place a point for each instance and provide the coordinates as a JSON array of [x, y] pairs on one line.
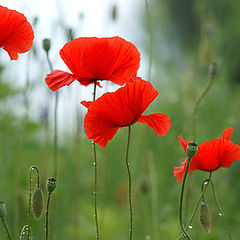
[[119, 109], [91, 59], [16, 33], [211, 155]]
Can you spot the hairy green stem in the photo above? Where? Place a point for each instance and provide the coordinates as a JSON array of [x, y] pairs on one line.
[[47, 211], [30, 190], [6, 228], [150, 38], [181, 201], [197, 203], [221, 212], [200, 98], [95, 174], [129, 186], [55, 139]]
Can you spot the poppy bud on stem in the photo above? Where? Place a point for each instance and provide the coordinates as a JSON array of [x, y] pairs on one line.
[[50, 185], [191, 151], [3, 212]]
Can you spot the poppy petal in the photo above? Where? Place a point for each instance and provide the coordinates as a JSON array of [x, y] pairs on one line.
[[183, 143], [227, 133], [159, 122], [16, 33], [112, 59], [117, 109], [57, 79], [86, 103]]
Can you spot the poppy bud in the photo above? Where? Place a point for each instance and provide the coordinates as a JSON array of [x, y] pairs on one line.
[[3, 210], [46, 44], [26, 233], [114, 13], [212, 69], [204, 217], [192, 149], [51, 184], [37, 203]]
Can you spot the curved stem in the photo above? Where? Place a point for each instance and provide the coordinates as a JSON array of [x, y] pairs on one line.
[[30, 190], [150, 39], [129, 185], [197, 203], [200, 98], [95, 174], [221, 212], [6, 228], [47, 211], [181, 201], [55, 140]]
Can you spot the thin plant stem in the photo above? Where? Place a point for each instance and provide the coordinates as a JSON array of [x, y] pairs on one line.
[[221, 212], [55, 139], [47, 211], [200, 99], [6, 228], [32, 168], [129, 185], [181, 201], [150, 38], [95, 174], [197, 203]]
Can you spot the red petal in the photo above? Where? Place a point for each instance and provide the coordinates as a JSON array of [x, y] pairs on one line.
[[227, 133], [159, 122], [117, 109], [86, 103], [112, 59], [16, 33], [57, 79], [183, 143]]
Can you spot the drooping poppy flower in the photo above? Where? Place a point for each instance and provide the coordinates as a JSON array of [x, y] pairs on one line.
[[119, 109], [91, 59], [16, 33], [211, 155]]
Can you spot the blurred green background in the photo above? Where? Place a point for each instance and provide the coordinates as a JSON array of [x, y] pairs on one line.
[[187, 36]]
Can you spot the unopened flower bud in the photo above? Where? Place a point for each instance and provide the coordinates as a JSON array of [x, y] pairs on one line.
[[37, 203], [3, 210], [205, 217], [192, 149], [51, 184], [46, 44], [213, 69]]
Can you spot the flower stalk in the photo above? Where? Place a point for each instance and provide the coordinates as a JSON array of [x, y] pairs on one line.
[[129, 185], [95, 174], [201, 97]]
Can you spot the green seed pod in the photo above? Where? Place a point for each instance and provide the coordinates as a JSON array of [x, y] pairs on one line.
[[3, 210], [37, 203], [205, 217], [26, 233], [192, 149], [51, 184], [46, 44]]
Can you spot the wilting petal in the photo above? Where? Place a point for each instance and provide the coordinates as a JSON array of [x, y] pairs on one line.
[[112, 59], [227, 133], [57, 79], [159, 122], [118, 109], [16, 33]]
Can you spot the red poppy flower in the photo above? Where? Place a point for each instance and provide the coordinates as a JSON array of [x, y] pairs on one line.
[[16, 33], [211, 155], [91, 59], [119, 109]]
